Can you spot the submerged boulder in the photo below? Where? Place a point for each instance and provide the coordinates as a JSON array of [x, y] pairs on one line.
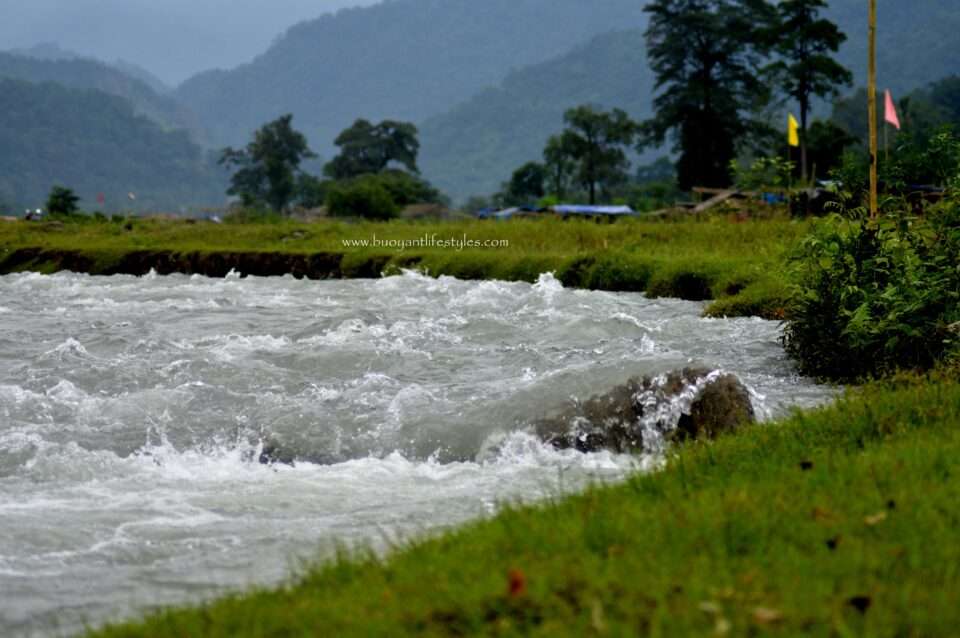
[[275, 451], [645, 413]]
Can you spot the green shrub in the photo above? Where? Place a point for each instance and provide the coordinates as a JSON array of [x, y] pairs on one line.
[[361, 198], [874, 296]]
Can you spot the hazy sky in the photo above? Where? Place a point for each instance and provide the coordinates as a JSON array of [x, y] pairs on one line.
[[171, 38]]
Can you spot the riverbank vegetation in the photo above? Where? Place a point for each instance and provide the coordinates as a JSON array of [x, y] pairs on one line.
[[873, 296], [736, 263], [840, 521]]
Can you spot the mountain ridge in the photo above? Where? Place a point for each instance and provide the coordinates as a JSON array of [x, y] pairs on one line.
[[87, 73], [428, 56]]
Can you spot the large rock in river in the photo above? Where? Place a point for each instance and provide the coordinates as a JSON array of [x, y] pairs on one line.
[[645, 414]]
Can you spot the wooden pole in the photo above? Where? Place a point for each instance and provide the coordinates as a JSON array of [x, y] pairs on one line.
[[886, 143], [872, 108]]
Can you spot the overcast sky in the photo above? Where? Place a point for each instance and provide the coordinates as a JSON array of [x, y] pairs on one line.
[[171, 38]]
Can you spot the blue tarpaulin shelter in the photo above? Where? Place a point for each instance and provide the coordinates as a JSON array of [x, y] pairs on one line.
[[576, 209], [563, 210]]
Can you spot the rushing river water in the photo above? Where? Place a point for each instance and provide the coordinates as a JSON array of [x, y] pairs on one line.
[[132, 411]]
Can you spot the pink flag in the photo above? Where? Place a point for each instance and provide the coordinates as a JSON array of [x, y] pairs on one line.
[[891, 111]]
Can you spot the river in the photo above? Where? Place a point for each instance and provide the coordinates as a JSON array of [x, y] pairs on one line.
[[133, 411]]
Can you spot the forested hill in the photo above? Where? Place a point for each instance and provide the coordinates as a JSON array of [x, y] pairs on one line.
[[406, 59], [95, 143], [917, 40], [474, 147], [82, 73], [53, 51]]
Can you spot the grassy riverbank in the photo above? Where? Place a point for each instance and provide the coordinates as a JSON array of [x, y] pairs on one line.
[[737, 264], [841, 521]]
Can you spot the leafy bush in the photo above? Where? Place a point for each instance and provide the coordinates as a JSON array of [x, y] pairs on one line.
[[363, 197], [876, 295]]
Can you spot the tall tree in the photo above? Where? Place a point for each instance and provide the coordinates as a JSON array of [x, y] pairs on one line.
[[367, 148], [268, 168], [559, 167], [526, 185], [706, 55], [806, 69], [62, 201], [596, 140]]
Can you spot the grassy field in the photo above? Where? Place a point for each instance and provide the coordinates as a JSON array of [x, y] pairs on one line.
[[737, 264], [837, 522]]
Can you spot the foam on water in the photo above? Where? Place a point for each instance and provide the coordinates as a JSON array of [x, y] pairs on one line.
[[133, 413]]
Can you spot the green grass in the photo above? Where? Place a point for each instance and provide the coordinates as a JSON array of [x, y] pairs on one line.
[[838, 522], [702, 259]]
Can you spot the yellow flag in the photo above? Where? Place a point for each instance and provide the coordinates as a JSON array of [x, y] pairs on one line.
[[793, 131]]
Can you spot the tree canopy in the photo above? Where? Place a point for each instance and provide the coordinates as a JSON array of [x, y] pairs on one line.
[[526, 185], [706, 56], [805, 44], [595, 141], [268, 168], [367, 148], [62, 201], [558, 167]]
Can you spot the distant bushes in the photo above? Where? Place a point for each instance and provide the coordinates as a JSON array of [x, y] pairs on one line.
[[365, 198], [378, 196]]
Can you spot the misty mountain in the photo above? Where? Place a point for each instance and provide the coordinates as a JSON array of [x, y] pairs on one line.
[[46, 51], [174, 39], [405, 59], [94, 143], [137, 72], [474, 147], [82, 73]]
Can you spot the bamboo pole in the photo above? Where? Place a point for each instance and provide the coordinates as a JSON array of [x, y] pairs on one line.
[[886, 143], [872, 108]]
